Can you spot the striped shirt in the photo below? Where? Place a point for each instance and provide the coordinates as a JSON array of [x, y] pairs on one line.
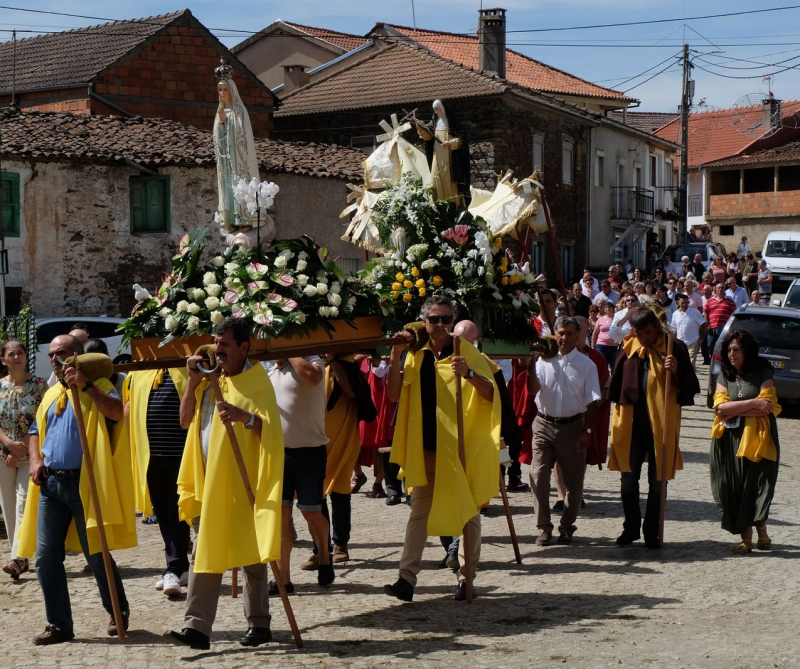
[[164, 431], [719, 311]]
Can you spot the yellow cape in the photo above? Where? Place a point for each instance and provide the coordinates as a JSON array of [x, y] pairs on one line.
[[232, 533], [136, 393], [112, 470], [456, 496], [622, 416], [344, 439], [756, 443]]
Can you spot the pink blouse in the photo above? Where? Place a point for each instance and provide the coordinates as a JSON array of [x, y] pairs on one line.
[[603, 338]]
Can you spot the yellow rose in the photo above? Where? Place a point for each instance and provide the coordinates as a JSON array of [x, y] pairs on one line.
[[437, 280], [503, 264], [397, 285], [407, 297], [394, 294], [516, 278], [422, 291], [505, 281], [399, 276], [420, 283], [498, 242], [414, 271], [408, 284]]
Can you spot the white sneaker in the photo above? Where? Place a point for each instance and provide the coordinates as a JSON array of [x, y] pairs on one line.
[[172, 584], [160, 584]]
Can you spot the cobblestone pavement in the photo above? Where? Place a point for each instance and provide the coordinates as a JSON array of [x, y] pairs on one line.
[[692, 604]]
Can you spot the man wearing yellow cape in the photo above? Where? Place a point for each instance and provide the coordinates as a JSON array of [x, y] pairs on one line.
[[59, 505], [232, 532], [152, 402], [445, 496], [637, 388]]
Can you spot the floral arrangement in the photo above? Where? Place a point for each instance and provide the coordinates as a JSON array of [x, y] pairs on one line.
[[288, 290], [435, 248]]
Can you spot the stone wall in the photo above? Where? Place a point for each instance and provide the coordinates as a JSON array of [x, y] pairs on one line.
[[76, 255]]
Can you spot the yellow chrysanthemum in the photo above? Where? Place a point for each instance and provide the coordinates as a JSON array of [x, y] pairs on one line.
[[408, 284], [516, 278], [422, 291], [414, 271], [498, 242], [399, 276], [397, 285], [420, 283], [437, 280], [505, 281], [394, 294], [503, 265], [407, 297]]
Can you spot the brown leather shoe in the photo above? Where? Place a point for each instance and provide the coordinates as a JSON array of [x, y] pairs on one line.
[[112, 625], [52, 635], [545, 538], [340, 554], [312, 564]]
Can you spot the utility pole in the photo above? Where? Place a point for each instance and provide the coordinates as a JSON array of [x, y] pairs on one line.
[[687, 93]]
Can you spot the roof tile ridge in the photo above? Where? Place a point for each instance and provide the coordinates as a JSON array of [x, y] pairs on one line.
[[330, 30]]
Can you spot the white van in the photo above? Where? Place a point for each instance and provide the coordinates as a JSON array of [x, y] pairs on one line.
[[782, 253]]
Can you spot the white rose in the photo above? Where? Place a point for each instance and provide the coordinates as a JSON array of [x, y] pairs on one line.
[[231, 267], [310, 291], [214, 289], [280, 262], [299, 316], [171, 323], [322, 288], [321, 277], [529, 279], [301, 265], [212, 303], [192, 323], [334, 312], [217, 317], [183, 305], [325, 311], [218, 261], [228, 281], [351, 302], [302, 280], [166, 311], [334, 299], [336, 287], [209, 278], [378, 286], [194, 308]]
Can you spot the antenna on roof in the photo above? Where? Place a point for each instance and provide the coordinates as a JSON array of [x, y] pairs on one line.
[[414, 19]]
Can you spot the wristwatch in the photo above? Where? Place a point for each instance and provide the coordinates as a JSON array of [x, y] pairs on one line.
[[470, 373], [249, 424]]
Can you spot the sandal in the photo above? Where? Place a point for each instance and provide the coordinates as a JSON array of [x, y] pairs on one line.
[[764, 543], [357, 482], [16, 568], [743, 548]]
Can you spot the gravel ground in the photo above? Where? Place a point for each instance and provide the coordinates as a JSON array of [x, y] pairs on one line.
[[590, 604]]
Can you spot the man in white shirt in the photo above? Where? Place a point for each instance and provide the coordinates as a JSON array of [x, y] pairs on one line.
[[567, 390], [672, 267], [607, 292], [620, 326], [548, 301], [743, 249], [736, 292], [689, 326], [695, 298]]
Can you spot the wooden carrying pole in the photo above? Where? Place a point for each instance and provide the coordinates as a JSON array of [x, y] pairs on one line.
[[98, 512], [511, 529], [237, 454], [463, 457], [664, 443]]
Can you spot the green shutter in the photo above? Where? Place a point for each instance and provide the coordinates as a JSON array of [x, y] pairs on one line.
[[138, 214], [11, 204], [150, 204]]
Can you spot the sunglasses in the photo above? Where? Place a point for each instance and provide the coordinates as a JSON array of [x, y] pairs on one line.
[[435, 320]]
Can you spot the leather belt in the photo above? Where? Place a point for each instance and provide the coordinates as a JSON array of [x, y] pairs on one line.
[[63, 474], [560, 421]]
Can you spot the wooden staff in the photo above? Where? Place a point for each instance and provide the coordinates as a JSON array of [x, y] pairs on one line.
[[511, 529], [463, 457], [665, 445], [213, 378], [98, 512]]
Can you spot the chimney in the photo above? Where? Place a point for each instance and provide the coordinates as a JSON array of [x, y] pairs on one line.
[[770, 113], [492, 41], [294, 77]]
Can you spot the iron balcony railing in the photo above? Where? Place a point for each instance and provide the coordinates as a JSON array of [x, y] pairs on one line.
[[632, 204]]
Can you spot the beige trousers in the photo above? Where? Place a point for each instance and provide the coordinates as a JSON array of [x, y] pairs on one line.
[[417, 531], [693, 349], [557, 443], [203, 595]]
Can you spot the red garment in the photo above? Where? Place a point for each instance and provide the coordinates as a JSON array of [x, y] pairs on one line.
[[719, 311], [524, 408], [598, 451], [379, 432]]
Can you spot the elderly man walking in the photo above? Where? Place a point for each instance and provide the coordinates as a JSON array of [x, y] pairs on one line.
[[567, 390], [689, 327], [446, 495]]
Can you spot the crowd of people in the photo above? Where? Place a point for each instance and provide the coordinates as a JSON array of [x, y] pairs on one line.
[[162, 444]]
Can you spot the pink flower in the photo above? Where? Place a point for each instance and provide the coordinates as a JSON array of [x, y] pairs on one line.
[[458, 234]]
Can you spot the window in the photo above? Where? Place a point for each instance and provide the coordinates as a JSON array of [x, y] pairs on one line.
[[11, 204], [364, 143], [567, 253], [637, 175], [726, 230], [599, 167], [653, 171], [538, 151], [150, 210], [537, 258], [567, 153]]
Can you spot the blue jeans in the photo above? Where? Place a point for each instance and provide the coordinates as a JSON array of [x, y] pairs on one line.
[[60, 503]]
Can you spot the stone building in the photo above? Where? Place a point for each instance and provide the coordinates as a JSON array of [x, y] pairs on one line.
[[160, 66], [93, 204]]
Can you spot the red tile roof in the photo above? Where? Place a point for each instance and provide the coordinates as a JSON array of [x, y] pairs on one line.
[[155, 142], [645, 121], [520, 69], [344, 41], [722, 133], [788, 153]]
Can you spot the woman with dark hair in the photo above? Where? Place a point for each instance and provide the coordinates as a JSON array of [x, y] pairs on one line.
[[745, 450], [20, 396]]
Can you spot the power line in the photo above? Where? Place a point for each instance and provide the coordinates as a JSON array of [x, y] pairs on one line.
[[642, 83], [641, 74]]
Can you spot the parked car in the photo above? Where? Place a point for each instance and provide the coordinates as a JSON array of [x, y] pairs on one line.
[[777, 331], [708, 251], [99, 327], [782, 253], [792, 297]]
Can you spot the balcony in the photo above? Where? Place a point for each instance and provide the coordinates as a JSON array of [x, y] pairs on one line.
[[754, 205], [632, 204], [669, 202]]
